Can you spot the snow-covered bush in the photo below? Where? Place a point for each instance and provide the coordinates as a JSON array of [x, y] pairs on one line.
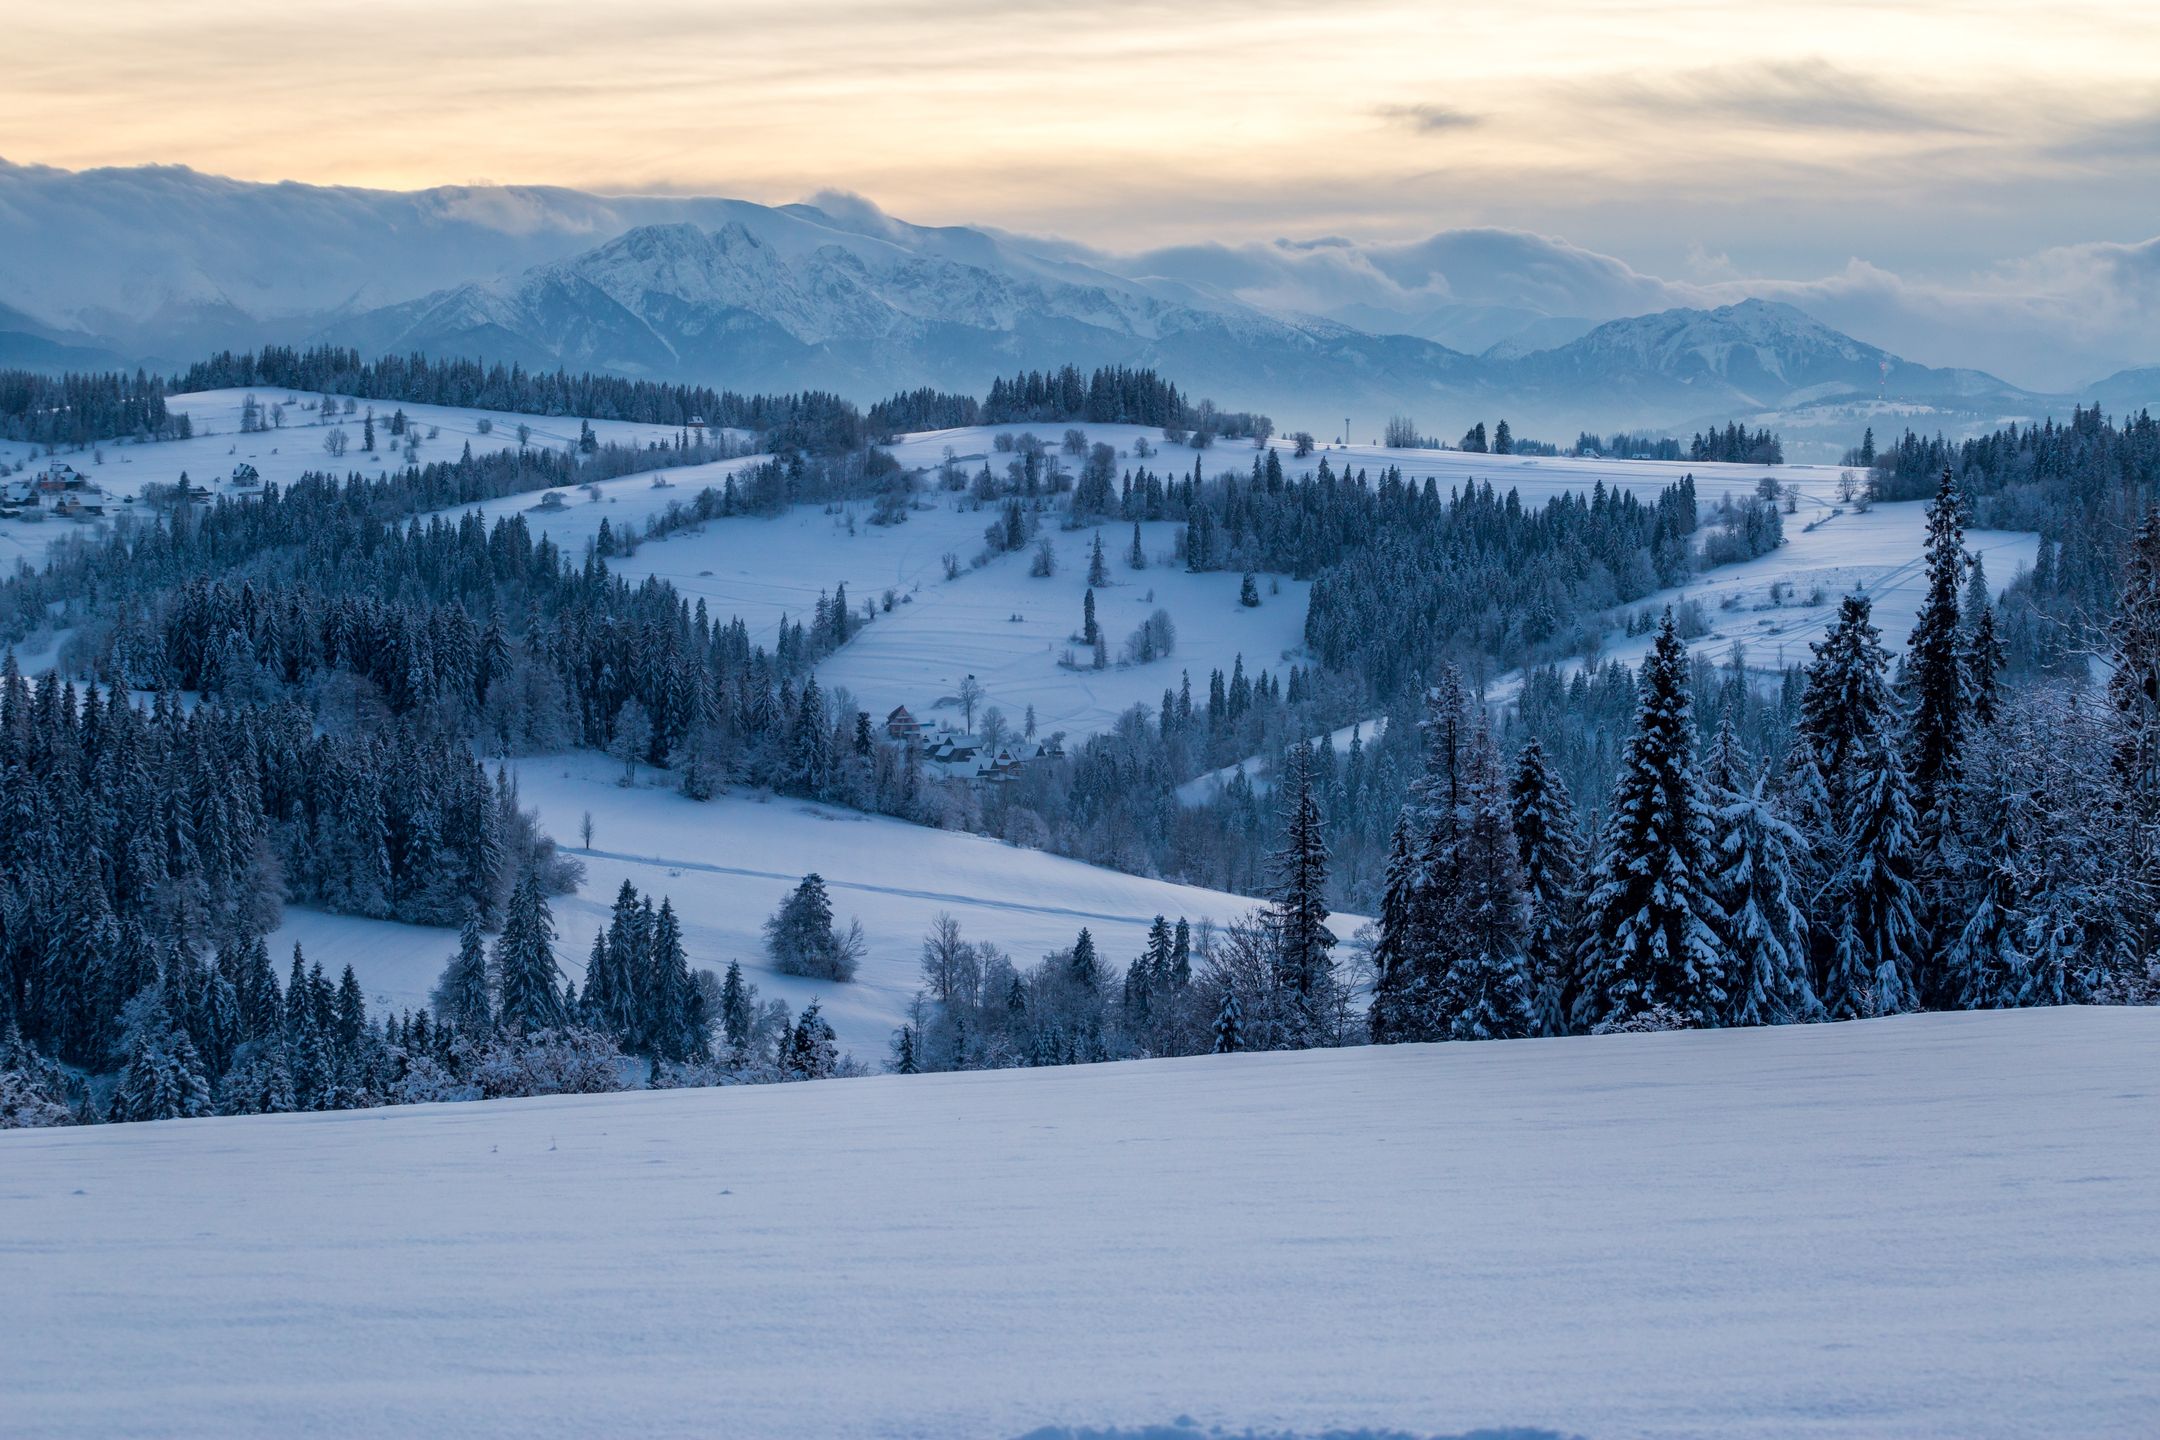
[[1645, 1022], [568, 1061], [33, 1090], [26, 1105], [1153, 639], [426, 1082]]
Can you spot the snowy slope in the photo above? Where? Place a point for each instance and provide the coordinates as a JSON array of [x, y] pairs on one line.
[[1932, 1228], [728, 862]]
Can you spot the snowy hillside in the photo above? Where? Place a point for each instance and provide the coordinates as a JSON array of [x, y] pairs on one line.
[[728, 862], [1772, 607], [1933, 1227], [282, 454]]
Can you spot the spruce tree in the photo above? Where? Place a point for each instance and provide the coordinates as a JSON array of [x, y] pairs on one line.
[[1229, 1024], [2134, 678], [1765, 924], [1396, 950], [1083, 969], [735, 1010], [1983, 657], [813, 1049], [525, 961], [1651, 926], [1298, 910], [810, 750], [1936, 680], [1490, 996], [461, 995], [1549, 847], [1876, 938], [1987, 968], [672, 1028], [1156, 960]]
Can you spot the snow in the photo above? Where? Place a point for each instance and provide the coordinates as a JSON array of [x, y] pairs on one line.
[[1929, 1226], [727, 863]]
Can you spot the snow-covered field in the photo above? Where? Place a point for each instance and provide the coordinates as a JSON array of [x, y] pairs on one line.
[[1931, 1226], [727, 863]]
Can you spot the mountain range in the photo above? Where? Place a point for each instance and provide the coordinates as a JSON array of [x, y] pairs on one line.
[[161, 265]]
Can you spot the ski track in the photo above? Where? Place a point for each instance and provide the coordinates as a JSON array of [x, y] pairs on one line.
[[899, 891]]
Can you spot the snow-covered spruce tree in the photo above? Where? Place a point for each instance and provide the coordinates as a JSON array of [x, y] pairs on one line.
[[1297, 912], [801, 938], [1984, 658], [810, 753], [735, 1011], [615, 973], [1651, 936], [1229, 1025], [1986, 966], [1936, 683], [525, 964], [678, 1027], [1847, 701], [1876, 940], [813, 1049], [1084, 967], [163, 1079], [1420, 922], [1492, 979], [2134, 698], [1549, 846], [1934, 676], [1389, 1019], [1765, 927], [1859, 824]]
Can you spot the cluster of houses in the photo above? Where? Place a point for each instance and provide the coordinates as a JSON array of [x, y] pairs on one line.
[[64, 492], [962, 756], [59, 489]]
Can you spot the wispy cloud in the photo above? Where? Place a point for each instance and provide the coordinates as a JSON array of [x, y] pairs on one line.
[[1428, 119], [1786, 95], [2135, 138]]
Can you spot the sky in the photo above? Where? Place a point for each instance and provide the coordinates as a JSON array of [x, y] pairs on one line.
[[1705, 139], [1964, 181]]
